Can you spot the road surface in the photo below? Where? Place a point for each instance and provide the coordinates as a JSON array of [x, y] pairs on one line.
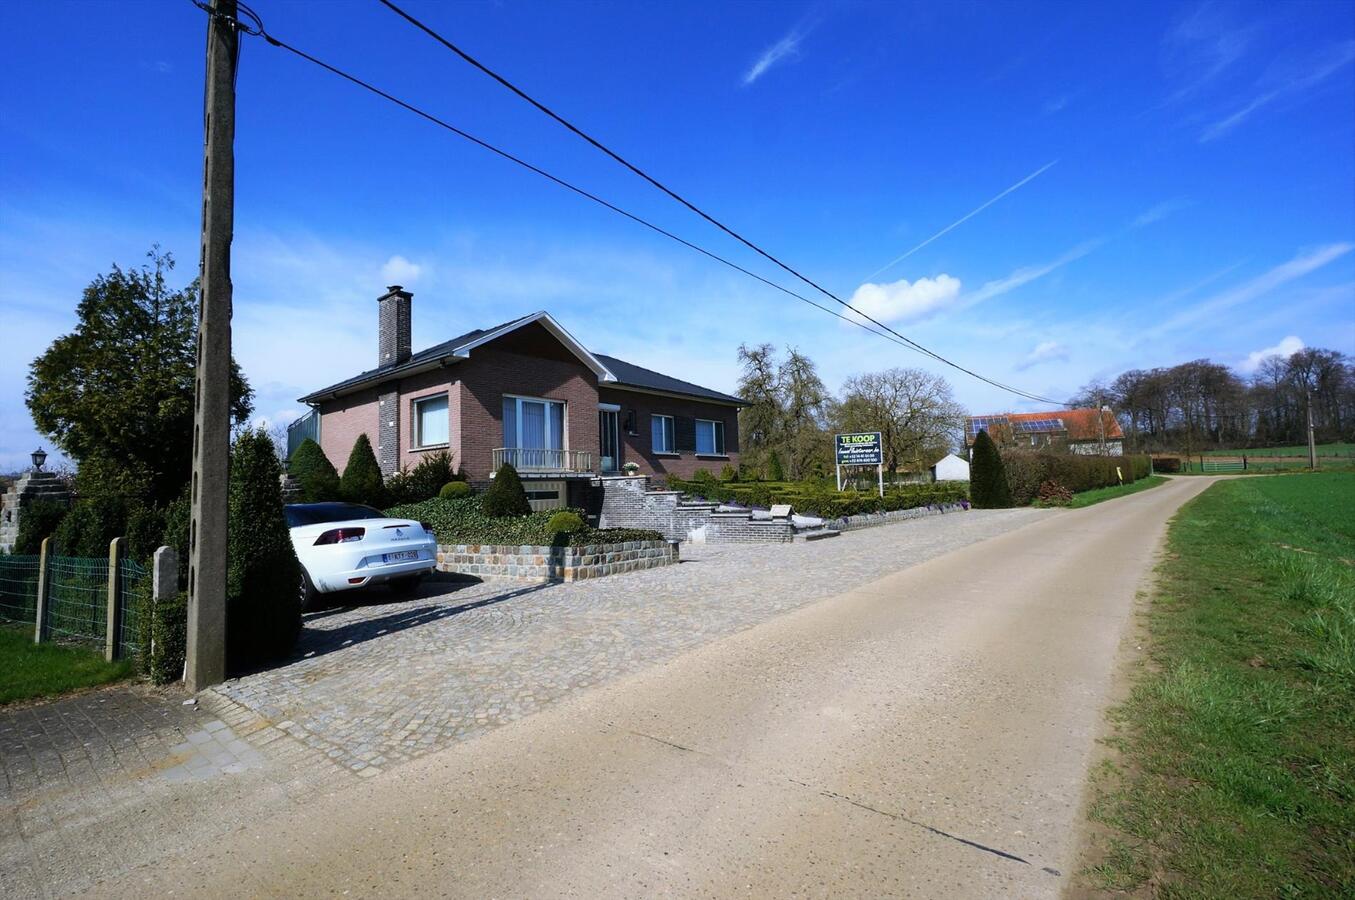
[[928, 734]]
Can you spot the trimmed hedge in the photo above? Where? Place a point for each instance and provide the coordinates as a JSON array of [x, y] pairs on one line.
[[989, 484], [463, 521], [812, 499], [1027, 471], [319, 479], [454, 489], [263, 601], [90, 525], [163, 634], [1167, 464], [566, 521]]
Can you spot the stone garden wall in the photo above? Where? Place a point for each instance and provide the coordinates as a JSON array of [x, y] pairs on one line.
[[541, 564]]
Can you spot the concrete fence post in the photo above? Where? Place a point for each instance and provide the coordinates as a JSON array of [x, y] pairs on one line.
[[164, 585], [112, 644], [44, 579]]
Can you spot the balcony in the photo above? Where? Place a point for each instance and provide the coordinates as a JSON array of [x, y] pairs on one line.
[[531, 459]]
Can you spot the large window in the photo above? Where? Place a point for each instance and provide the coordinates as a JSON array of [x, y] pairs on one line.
[[431, 421], [662, 436], [533, 424], [710, 437]]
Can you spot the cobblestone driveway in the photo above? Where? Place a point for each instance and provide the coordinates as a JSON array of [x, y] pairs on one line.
[[384, 682], [98, 783]]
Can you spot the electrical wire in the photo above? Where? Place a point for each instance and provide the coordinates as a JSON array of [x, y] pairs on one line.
[[684, 201], [887, 333]]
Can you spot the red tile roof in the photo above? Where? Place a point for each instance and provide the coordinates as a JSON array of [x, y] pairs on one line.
[[1075, 424]]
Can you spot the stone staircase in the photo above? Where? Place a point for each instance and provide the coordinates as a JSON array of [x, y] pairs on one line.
[[30, 486], [627, 502]]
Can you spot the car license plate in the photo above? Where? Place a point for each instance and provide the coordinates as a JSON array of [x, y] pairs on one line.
[[400, 557]]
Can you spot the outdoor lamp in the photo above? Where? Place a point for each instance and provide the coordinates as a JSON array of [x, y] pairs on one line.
[[39, 457]]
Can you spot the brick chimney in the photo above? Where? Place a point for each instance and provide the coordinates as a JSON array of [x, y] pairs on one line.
[[393, 333]]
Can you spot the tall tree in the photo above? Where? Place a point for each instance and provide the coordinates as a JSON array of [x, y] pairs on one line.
[[760, 422], [116, 394], [804, 400], [913, 410]]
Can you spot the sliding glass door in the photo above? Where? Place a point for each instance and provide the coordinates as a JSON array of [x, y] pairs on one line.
[[536, 430]]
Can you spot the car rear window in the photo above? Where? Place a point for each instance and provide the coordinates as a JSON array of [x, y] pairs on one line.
[[299, 514]]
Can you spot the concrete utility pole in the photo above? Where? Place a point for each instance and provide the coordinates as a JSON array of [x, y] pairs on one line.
[[1312, 445], [206, 663]]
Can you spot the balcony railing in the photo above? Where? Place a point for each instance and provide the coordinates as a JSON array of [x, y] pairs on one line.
[[531, 459]]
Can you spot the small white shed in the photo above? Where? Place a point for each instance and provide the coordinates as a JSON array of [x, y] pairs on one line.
[[950, 468]]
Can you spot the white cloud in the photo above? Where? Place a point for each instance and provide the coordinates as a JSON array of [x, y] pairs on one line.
[[401, 271], [1286, 348], [787, 47], [1286, 83], [901, 301], [1028, 274], [1044, 352]]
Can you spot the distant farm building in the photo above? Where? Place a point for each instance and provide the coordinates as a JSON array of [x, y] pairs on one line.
[[1089, 431]]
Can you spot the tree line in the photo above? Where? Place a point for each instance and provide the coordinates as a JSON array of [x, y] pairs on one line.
[[786, 431], [1203, 404]]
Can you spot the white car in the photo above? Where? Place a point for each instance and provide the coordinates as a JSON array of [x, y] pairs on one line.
[[342, 546]]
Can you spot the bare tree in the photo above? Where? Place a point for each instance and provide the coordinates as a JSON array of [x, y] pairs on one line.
[[914, 411]]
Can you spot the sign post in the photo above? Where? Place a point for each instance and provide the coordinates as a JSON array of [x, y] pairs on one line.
[[864, 448]]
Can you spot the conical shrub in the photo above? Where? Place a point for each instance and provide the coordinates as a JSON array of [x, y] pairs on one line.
[[263, 600], [319, 479], [362, 481], [506, 496], [988, 488]]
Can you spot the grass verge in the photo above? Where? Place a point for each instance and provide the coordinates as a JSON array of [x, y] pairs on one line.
[[29, 671], [1235, 775], [1088, 498]]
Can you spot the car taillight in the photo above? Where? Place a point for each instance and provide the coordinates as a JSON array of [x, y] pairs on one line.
[[340, 536], [427, 528]]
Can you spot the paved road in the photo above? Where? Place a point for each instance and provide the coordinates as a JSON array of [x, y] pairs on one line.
[[927, 734]]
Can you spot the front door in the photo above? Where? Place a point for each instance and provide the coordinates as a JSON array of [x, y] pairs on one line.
[[609, 435]]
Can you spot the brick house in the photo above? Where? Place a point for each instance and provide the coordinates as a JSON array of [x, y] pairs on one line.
[[525, 392], [1085, 431]]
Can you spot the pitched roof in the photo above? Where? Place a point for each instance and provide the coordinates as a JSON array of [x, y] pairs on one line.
[[609, 369], [1073, 424], [631, 375]]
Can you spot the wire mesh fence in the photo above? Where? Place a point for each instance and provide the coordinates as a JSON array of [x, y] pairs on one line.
[[19, 589], [77, 599]]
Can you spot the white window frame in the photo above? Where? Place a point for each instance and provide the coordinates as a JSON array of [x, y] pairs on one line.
[[717, 437], [671, 449], [564, 418], [418, 442]]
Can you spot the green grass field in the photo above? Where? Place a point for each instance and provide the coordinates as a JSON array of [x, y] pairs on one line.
[[1235, 767], [29, 671], [1340, 448], [1087, 498]]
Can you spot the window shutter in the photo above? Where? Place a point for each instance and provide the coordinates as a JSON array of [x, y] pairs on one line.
[[685, 426]]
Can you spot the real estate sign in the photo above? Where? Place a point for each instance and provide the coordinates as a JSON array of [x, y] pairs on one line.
[[861, 449]]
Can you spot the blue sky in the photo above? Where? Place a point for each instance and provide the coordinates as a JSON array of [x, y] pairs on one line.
[[1193, 189]]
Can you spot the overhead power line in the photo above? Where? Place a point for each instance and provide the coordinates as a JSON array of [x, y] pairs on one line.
[[689, 204], [256, 28]]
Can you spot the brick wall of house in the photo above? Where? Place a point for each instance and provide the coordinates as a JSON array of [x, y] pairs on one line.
[[342, 420], [637, 446], [417, 387], [529, 362]]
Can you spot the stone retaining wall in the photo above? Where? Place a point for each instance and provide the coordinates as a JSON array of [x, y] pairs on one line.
[[540, 564], [870, 520]]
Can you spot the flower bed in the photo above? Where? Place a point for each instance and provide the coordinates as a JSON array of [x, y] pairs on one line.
[[460, 521]]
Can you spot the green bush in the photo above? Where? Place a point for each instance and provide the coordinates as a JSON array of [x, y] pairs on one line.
[[263, 603], [90, 526], [37, 520], [425, 481], [362, 481], [453, 489], [163, 634], [319, 479], [565, 521], [988, 487], [506, 496], [1027, 470], [145, 531], [775, 470], [1166, 464], [464, 521], [178, 521]]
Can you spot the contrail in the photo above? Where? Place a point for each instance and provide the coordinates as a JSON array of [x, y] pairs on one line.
[[1029, 178]]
